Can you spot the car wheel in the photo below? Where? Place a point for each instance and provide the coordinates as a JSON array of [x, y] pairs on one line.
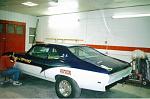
[[144, 83], [67, 88]]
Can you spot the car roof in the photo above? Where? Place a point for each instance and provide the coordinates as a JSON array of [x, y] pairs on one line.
[[66, 45]]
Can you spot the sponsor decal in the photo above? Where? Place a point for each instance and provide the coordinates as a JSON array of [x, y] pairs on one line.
[[105, 67], [23, 60], [67, 72]]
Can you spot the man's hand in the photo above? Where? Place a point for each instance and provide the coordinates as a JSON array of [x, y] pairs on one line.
[[13, 59]]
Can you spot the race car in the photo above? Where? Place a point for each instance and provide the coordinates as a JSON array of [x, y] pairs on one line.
[[72, 68]]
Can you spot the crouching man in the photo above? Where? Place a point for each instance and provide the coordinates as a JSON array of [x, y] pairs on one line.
[[7, 68]]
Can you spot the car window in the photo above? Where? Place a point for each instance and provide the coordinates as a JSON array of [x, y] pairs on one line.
[[38, 51], [85, 52], [78, 52], [53, 54]]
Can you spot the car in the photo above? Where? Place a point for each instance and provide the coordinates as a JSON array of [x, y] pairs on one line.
[[72, 68]]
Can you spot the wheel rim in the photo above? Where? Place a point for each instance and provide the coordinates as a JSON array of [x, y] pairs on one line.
[[65, 88], [144, 83]]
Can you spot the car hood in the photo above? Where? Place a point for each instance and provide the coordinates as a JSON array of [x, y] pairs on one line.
[[110, 64]]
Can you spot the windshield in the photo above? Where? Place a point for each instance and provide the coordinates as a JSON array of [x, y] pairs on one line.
[[84, 52]]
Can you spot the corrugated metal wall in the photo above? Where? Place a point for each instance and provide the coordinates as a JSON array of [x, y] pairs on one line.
[[95, 27], [99, 28]]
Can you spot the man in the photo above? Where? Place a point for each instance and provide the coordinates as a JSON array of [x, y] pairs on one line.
[[7, 68]]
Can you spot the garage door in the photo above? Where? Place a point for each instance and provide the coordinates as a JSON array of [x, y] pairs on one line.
[[12, 36]]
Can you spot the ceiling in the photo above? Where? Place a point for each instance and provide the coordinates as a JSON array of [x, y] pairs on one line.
[[67, 6]]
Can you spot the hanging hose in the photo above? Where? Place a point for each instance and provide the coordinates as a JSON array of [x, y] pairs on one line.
[[108, 30]]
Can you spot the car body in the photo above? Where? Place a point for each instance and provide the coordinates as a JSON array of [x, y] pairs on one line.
[[72, 67]]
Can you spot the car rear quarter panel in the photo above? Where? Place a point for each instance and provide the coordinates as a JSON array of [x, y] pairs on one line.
[[85, 79], [119, 75]]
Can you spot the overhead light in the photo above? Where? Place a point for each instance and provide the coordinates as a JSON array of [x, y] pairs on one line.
[[129, 16], [29, 4], [65, 6]]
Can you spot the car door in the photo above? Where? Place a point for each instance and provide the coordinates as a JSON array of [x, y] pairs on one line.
[[53, 58], [53, 62], [37, 56]]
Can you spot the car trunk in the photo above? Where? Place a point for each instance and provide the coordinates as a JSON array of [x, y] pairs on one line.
[[111, 64]]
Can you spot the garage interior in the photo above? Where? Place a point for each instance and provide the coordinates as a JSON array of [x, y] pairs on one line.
[[117, 28]]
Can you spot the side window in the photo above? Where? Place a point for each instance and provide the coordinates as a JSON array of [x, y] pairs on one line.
[[38, 51], [53, 54]]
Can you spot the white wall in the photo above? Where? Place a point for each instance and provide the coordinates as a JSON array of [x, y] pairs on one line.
[[96, 27], [29, 20], [93, 27]]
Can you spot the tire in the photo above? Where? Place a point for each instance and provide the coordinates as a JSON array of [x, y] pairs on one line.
[[67, 88], [144, 83]]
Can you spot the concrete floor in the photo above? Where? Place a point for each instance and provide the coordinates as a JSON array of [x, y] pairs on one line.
[[37, 88]]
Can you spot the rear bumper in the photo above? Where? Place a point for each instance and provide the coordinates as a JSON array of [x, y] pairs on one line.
[[119, 75], [100, 81]]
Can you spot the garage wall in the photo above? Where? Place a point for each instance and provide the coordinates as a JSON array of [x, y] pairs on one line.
[[29, 20], [99, 28]]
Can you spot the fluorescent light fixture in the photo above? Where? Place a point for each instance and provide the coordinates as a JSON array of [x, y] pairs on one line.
[[66, 5], [29, 4], [129, 16]]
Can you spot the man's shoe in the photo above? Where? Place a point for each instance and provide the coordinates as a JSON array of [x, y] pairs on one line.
[[1, 83], [11, 81], [17, 83]]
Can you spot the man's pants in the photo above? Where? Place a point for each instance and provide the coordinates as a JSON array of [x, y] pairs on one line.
[[12, 72]]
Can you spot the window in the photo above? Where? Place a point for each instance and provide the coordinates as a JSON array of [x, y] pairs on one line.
[[85, 52], [10, 28], [53, 54], [44, 52], [78, 51], [38, 51], [19, 29], [1, 28], [32, 35]]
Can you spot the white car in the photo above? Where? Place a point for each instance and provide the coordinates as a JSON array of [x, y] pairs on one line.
[[72, 68]]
